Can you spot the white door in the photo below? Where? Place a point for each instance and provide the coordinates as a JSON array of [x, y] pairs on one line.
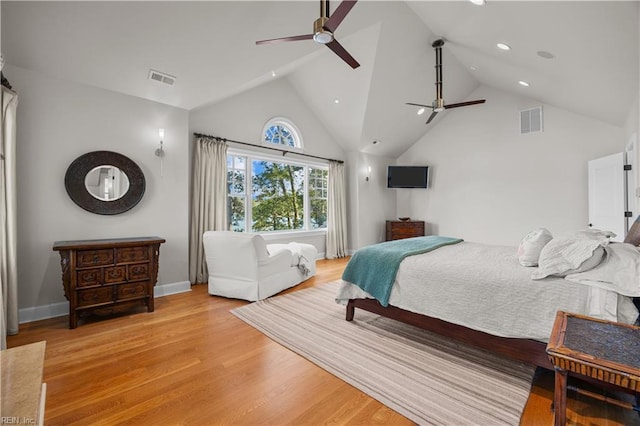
[[607, 194]]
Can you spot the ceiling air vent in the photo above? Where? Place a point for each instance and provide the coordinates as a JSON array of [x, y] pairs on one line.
[[161, 77], [531, 120]]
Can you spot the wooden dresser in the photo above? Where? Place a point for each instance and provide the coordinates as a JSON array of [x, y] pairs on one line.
[[399, 229], [108, 276]]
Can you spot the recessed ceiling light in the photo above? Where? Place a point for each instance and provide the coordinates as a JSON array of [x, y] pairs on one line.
[[421, 111], [503, 46], [478, 2], [523, 83], [545, 54], [473, 67], [336, 101], [273, 74]]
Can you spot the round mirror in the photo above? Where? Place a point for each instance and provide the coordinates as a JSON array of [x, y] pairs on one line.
[[107, 183], [104, 182]]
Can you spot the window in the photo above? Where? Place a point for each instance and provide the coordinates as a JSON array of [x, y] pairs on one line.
[[318, 197], [280, 131], [236, 183], [281, 195]]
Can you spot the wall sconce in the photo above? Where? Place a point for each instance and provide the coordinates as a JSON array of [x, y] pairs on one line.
[[160, 151], [368, 175]]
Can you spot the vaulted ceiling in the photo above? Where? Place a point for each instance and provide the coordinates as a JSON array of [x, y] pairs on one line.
[[210, 48]]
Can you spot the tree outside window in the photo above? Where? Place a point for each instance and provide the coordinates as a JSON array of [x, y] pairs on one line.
[[277, 199], [284, 196], [236, 184], [318, 197]]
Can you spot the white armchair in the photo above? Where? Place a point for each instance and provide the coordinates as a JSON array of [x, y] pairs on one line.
[[242, 266]]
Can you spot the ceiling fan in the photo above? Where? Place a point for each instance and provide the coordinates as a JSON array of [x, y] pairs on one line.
[[438, 104], [323, 29]]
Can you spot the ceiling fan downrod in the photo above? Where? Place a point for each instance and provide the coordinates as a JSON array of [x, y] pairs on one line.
[[320, 34], [438, 103]]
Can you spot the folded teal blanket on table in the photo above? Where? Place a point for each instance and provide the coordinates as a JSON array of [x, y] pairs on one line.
[[373, 268]]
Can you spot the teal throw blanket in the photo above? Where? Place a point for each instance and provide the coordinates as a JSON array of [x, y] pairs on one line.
[[373, 268]]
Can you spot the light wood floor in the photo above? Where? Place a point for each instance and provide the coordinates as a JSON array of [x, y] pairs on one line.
[[191, 362]]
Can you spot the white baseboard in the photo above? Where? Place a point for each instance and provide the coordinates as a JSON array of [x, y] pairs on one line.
[[171, 288], [38, 313], [59, 309]]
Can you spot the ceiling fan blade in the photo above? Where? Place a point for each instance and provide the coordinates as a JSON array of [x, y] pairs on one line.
[[432, 116], [339, 14], [280, 40], [461, 104], [340, 51], [419, 105]]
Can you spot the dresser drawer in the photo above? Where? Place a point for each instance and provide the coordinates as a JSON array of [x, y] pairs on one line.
[[132, 254], [89, 277], [132, 290], [85, 258], [397, 230], [115, 274], [139, 271], [95, 296]]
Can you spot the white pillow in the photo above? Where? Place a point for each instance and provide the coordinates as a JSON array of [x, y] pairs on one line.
[[531, 246], [620, 271], [590, 263], [567, 255]]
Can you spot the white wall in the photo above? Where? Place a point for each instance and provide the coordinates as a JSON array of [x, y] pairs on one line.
[[59, 121], [370, 202], [493, 185], [243, 117]]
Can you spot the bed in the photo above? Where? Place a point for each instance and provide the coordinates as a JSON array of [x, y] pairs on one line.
[[481, 295]]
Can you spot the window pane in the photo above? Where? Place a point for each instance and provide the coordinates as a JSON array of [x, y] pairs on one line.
[[277, 202], [318, 197], [318, 214], [236, 213], [239, 163], [236, 182], [280, 134]]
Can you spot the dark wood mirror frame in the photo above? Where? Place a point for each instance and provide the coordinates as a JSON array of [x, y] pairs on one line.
[[74, 182]]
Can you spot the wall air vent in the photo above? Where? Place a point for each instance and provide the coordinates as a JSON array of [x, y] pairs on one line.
[[161, 77], [531, 120]]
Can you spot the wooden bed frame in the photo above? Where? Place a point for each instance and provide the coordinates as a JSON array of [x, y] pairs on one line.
[[526, 350]]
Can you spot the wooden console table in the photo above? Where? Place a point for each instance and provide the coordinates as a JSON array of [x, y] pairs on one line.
[[399, 229], [23, 392], [108, 276], [604, 351]]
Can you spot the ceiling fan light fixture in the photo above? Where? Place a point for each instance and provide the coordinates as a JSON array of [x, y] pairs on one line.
[[323, 37]]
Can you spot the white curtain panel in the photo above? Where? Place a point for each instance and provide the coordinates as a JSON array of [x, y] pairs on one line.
[[209, 201], [337, 212], [8, 242]]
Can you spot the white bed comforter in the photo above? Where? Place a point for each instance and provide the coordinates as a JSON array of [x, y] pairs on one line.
[[483, 287]]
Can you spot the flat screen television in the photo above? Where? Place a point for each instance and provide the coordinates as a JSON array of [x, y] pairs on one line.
[[407, 177]]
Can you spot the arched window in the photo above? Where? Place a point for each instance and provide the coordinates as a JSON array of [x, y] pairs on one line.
[[282, 132]]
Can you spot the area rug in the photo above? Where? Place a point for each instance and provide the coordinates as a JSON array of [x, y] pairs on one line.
[[426, 378]]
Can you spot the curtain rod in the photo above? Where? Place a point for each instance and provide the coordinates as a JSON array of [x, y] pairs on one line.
[[283, 151]]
